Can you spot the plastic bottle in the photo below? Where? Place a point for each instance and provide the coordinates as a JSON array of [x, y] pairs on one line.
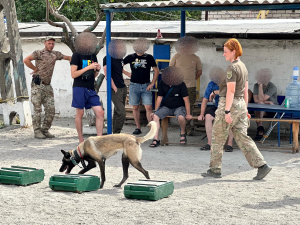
[[293, 91]]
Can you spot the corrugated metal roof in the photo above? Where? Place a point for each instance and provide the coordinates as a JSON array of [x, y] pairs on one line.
[[188, 3]]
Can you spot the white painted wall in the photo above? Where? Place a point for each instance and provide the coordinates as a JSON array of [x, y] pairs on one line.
[[279, 56]]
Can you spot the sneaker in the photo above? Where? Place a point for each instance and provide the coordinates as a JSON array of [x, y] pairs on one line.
[[137, 131], [39, 135], [262, 172], [209, 173], [48, 134]]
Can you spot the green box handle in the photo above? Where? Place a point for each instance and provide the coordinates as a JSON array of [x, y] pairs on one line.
[[64, 184], [14, 169], [143, 193], [10, 178], [24, 168]]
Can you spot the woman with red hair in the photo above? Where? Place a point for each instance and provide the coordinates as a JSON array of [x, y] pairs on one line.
[[232, 115]]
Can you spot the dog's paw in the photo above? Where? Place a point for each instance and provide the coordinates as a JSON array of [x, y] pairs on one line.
[[117, 186]]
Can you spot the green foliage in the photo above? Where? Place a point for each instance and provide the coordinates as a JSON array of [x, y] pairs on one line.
[[75, 10], [85, 10], [30, 10]]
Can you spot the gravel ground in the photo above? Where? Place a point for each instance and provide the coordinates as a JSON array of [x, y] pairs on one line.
[[233, 199]]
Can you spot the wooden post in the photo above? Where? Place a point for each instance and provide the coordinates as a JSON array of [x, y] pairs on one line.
[[164, 130], [295, 137], [6, 87], [15, 50], [8, 55]]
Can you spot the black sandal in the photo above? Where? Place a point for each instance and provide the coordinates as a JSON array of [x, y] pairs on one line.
[[228, 148], [154, 145], [183, 141], [205, 147], [259, 136]]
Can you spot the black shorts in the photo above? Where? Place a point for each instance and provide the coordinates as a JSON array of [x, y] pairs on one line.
[[211, 111]]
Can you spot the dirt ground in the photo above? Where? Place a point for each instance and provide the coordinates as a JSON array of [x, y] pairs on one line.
[[233, 199]]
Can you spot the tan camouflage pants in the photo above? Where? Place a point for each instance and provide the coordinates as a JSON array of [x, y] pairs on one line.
[[239, 128], [42, 95]]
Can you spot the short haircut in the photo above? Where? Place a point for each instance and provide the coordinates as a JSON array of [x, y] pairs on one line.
[[234, 44]]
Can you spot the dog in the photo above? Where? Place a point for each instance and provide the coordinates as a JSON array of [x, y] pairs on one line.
[[99, 148]]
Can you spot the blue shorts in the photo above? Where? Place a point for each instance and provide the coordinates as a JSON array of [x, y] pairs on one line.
[[84, 98], [138, 91]]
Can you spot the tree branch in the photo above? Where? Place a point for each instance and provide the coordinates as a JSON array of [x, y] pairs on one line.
[[102, 40], [95, 24], [61, 5], [67, 39], [63, 18]]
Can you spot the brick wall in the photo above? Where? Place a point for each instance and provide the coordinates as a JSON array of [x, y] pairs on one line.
[[246, 15]]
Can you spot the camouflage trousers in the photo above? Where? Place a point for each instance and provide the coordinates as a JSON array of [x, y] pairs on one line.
[[42, 95], [192, 98], [239, 126]]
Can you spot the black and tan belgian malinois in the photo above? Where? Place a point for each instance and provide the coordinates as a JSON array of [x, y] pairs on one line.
[[100, 148]]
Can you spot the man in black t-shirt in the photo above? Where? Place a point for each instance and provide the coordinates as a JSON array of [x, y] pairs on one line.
[[118, 93], [84, 69], [140, 86], [176, 103]]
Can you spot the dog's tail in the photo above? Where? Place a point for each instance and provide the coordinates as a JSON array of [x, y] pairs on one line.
[[150, 134]]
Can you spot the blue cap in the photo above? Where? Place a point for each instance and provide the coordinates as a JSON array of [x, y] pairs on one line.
[[296, 68]]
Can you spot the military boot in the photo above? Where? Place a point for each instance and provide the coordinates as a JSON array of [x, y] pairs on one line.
[[262, 172], [210, 173], [39, 134], [48, 134]]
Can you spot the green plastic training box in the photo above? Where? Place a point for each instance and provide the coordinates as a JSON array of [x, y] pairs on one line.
[[148, 189], [74, 183], [21, 175]]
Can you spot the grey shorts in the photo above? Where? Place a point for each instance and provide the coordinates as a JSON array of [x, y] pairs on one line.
[[165, 111]]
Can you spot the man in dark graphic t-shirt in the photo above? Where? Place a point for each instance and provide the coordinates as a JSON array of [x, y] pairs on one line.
[[118, 93], [84, 69], [140, 85], [172, 101]]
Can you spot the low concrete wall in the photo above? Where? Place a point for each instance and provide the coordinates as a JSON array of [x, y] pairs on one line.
[[246, 15]]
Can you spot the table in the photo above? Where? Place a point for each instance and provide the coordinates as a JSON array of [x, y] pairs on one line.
[[279, 109]]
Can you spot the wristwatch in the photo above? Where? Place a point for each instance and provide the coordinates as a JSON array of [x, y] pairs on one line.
[[227, 111]]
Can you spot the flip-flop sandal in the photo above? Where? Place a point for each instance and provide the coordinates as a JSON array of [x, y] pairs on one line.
[[154, 145], [228, 148], [183, 141], [205, 148]]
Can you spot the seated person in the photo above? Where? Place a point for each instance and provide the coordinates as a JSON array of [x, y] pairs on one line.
[[212, 92], [264, 92], [172, 100]]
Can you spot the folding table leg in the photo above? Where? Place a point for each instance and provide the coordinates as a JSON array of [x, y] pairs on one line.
[[295, 137]]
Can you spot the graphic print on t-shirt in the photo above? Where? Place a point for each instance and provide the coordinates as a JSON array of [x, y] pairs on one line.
[[139, 63], [86, 62]]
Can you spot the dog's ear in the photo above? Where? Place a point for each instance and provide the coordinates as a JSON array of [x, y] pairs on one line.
[[66, 154]]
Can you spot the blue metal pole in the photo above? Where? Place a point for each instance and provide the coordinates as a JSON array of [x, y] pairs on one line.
[[182, 25], [108, 70], [278, 131]]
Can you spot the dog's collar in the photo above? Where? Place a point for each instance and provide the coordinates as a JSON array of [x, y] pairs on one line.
[[78, 158]]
